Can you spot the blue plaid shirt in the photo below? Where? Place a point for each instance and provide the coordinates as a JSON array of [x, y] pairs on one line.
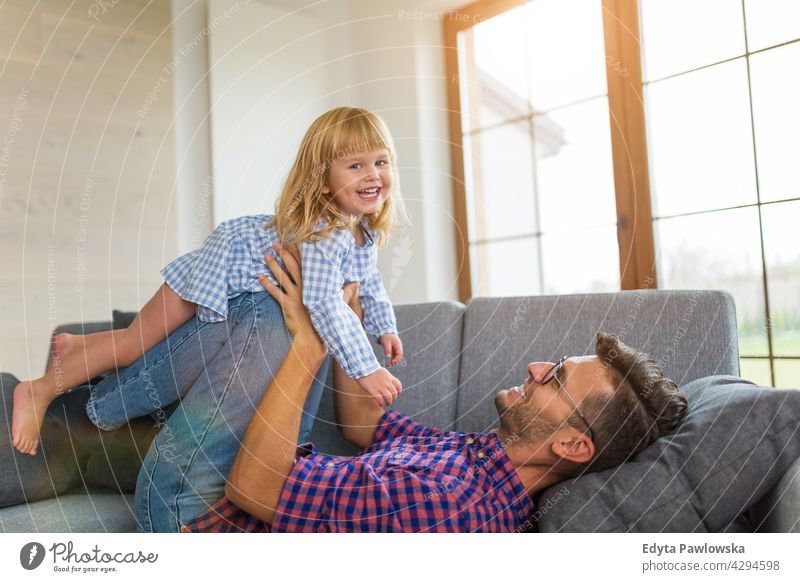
[[233, 255], [411, 479]]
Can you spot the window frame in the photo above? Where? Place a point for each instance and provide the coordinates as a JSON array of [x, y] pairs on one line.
[[628, 138]]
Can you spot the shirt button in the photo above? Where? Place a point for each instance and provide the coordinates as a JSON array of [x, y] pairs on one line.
[[184, 528], [330, 464], [481, 455], [470, 441]]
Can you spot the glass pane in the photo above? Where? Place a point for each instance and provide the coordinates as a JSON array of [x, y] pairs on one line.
[[584, 261], [782, 251], [574, 167], [787, 373], [770, 22], [497, 82], [680, 35], [506, 268], [567, 52], [718, 250], [700, 141], [756, 371], [776, 93], [500, 188]]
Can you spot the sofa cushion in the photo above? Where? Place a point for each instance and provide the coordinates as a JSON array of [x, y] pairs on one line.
[[779, 510], [76, 512], [734, 445], [692, 334], [54, 469], [115, 459], [431, 334]]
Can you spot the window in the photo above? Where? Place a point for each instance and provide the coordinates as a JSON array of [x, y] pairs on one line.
[[535, 108], [722, 130], [654, 142]]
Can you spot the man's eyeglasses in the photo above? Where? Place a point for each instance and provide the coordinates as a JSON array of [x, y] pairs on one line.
[[553, 375]]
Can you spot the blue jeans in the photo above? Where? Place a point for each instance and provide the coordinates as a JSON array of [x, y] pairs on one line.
[[220, 371]]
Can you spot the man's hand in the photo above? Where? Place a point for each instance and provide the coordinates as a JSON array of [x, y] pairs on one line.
[[392, 348], [290, 292]]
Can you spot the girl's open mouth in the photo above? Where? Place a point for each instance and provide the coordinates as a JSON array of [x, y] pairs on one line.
[[369, 194]]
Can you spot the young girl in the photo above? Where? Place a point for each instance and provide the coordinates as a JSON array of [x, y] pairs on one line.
[[336, 205]]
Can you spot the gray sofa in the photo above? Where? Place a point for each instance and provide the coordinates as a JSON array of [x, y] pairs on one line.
[[456, 358]]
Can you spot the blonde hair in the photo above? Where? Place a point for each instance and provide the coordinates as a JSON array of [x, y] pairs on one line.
[[332, 136]]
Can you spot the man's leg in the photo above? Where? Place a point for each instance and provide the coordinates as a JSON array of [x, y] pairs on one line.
[[161, 376], [185, 469]]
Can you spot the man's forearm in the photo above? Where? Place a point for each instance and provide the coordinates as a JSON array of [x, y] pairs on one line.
[[357, 413], [266, 455]]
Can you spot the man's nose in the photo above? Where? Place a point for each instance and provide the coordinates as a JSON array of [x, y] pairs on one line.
[[539, 369]]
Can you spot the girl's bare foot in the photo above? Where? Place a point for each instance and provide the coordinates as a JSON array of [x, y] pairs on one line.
[[61, 345], [31, 400]]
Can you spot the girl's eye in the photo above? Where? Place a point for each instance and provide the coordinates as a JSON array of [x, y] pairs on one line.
[[382, 162], [356, 166]]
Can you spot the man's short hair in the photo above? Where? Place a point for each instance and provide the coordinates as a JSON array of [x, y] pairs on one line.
[[643, 406]]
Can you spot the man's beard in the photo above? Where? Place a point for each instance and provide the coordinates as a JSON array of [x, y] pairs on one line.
[[523, 426]]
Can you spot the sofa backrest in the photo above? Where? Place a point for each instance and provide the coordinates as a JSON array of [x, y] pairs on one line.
[[431, 335], [691, 333], [457, 357]]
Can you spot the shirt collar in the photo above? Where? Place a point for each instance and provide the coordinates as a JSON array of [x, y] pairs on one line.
[[370, 234], [499, 466]]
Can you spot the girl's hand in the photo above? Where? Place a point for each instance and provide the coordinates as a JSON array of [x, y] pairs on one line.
[[382, 386], [290, 292], [392, 347]]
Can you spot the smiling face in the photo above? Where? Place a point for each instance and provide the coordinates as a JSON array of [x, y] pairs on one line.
[[534, 412], [361, 182]]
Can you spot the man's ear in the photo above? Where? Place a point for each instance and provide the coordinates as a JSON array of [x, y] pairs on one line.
[[572, 445]]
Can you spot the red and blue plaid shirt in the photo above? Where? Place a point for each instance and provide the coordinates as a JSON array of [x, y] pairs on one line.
[[411, 479]]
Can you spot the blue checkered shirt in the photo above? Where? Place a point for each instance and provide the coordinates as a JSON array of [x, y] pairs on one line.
[[232, 257]]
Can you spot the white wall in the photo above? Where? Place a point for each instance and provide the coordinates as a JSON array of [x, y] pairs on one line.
[[274, 69], [194, 184], [267, 85], [86, 166]]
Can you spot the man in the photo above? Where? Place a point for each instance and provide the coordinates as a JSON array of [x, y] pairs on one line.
[[579, 414]]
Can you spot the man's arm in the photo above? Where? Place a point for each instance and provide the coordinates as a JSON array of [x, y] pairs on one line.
[[266, 455], [357, 413]]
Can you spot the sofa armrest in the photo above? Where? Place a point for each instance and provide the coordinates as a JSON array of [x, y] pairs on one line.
[[779, 510]]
